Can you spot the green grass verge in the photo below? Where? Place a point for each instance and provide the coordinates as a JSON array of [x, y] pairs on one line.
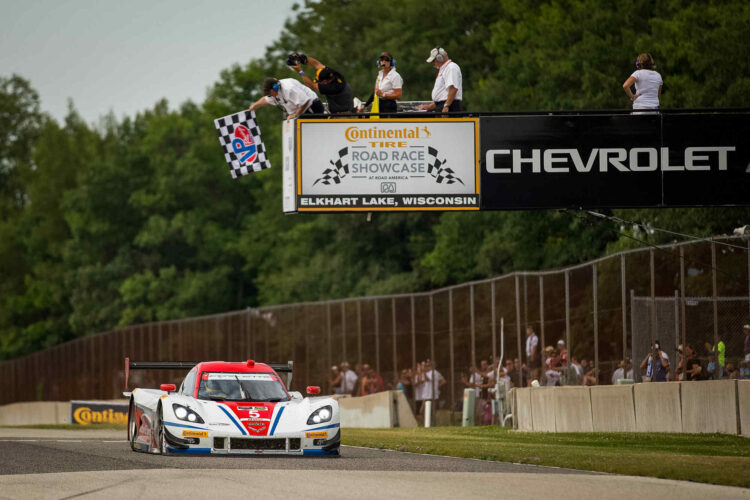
[[706, 458]]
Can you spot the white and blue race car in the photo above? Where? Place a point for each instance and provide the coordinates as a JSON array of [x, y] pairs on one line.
[[231, 408]]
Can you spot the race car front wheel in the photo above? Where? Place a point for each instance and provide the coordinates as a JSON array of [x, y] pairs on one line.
[[160, 439], [132, 425]]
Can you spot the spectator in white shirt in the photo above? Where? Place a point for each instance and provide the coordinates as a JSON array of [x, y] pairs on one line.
[[619, 373], [647, 82], [448, 90], [348, 379]]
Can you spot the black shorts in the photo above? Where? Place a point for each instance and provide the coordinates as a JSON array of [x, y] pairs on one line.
[[455, 106], [316, 107]]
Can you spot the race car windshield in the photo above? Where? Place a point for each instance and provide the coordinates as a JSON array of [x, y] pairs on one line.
[[260, 387]]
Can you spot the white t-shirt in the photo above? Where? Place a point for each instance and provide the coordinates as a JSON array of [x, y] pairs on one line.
[[449, 75], [418, 386], [292, 95], [477, 379], [647, 83], [348, 380], [531, 341], [390, 82], [428, 391], [617, 375]]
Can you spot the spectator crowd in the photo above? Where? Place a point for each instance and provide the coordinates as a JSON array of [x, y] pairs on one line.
[[557, 367]]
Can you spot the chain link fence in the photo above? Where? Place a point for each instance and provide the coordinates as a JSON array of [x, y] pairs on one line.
[[605, 310]]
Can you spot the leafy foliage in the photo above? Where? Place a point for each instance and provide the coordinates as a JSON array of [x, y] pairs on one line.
[[121, 222]]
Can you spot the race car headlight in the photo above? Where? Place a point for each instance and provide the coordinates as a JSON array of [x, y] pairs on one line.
[[185, 413], [320, 415]]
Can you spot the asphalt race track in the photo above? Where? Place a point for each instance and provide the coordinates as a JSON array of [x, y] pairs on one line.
[[95, 464]]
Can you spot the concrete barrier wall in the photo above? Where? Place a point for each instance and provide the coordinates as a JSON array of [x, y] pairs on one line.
[[35, 413], [657, 407], [522, 420], [543, 409], [406, 417], [692, 407], [613, 408], [743, 398], [710, 406], [572, 408], [384, 409]]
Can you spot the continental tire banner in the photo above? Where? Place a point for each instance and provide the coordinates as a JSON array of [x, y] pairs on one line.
[[98, 412], [387, 165], [596, 161]]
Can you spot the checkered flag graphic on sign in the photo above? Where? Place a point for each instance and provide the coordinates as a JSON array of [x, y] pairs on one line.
[[239, 135], [333, 175], [436, 168]]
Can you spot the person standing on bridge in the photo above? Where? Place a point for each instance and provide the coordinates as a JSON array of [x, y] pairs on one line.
[[647, 82], [448, 90], [387, 86]]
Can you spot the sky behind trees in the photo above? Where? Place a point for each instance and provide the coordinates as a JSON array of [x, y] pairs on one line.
[[125, 56]]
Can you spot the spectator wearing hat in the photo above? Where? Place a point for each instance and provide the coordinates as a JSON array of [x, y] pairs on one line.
[[448, 90], [746, 328], [290, 95], [656, 364], [328, 82], [388, 86], [552, 366]]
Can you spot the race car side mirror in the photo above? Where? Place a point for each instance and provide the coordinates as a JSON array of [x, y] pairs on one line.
[[313, 389], [168, 387]]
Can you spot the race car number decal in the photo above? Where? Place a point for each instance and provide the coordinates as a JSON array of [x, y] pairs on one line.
[[195, 434], [320, 434]]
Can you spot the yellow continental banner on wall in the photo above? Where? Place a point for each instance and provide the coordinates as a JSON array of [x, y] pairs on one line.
[[195, 434], [89, 412], [321, 434]]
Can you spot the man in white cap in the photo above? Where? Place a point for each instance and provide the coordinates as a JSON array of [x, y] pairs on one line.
[[448, 90]]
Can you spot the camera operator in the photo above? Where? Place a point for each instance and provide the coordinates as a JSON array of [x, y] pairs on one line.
[[657, 362], [290, 95], [327, 81]]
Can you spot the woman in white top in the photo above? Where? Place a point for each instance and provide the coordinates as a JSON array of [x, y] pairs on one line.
[[647, 84], [387, 87]]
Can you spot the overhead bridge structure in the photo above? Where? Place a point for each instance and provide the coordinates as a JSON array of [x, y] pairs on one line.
[[517, 161]]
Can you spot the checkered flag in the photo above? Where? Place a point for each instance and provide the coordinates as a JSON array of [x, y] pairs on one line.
[[337, 172], [239, 135], [437, 170]]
